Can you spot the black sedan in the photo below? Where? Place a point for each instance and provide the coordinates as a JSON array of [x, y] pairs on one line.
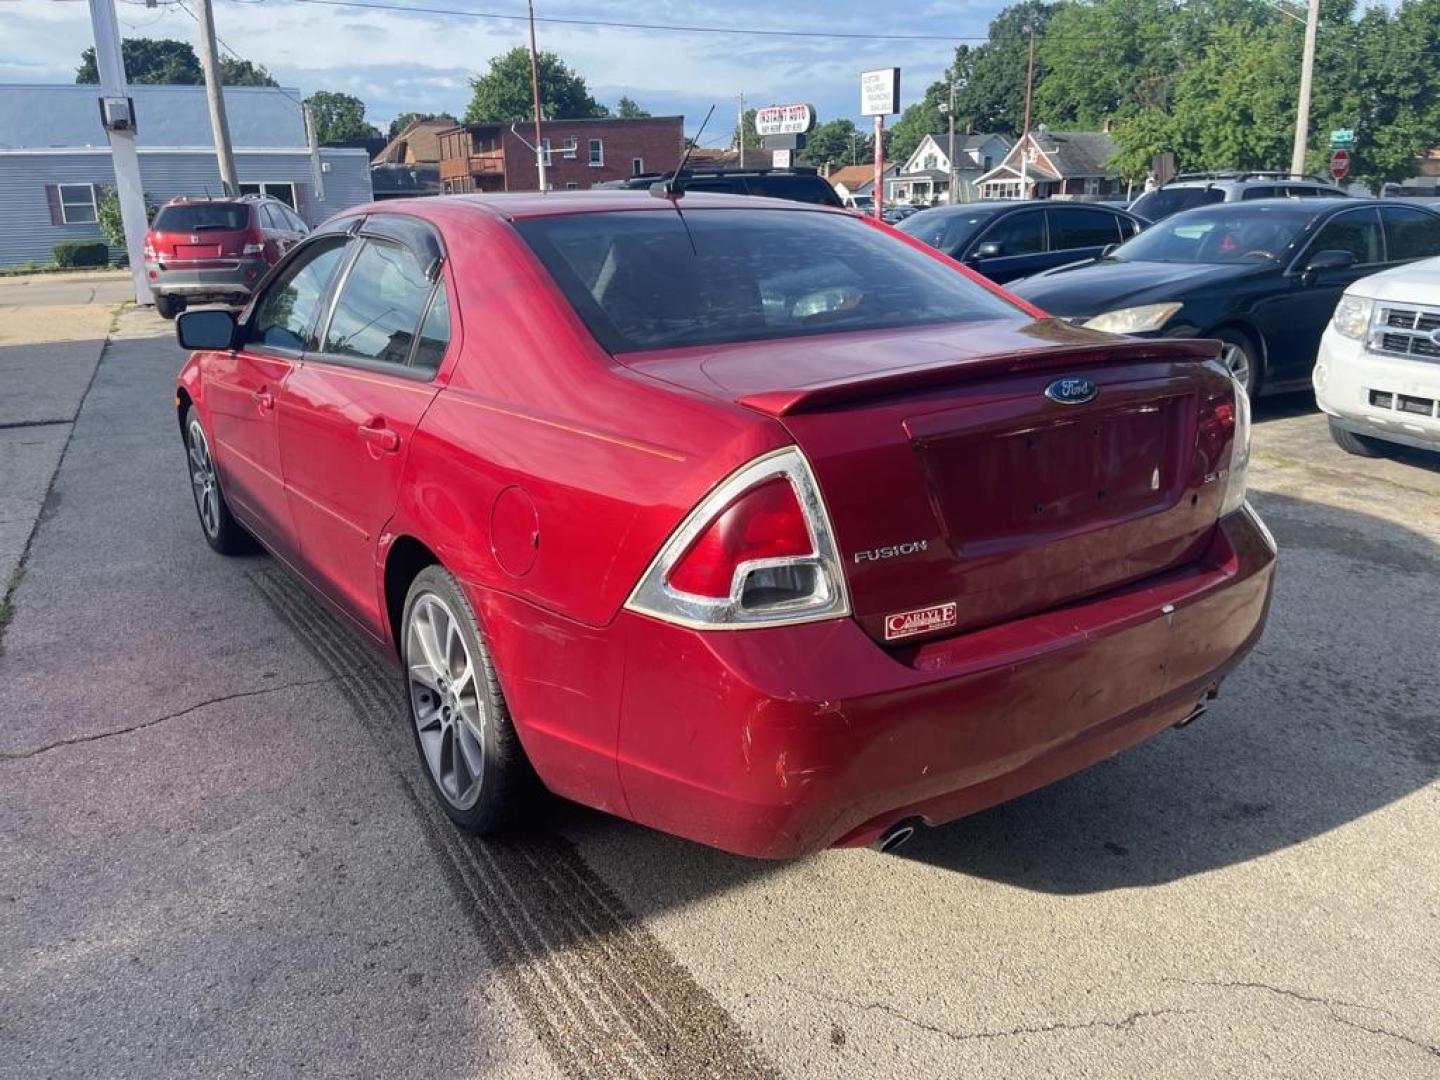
[[1263, 277], [1007, 240]]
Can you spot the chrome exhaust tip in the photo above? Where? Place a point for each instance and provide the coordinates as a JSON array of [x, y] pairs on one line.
[[894, 836]]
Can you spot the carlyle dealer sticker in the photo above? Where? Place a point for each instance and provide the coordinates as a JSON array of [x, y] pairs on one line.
[[905, 624]]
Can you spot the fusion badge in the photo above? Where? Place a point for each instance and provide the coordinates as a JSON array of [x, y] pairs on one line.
[[905, 624]]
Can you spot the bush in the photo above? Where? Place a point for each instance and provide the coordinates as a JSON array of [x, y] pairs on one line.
[[82, 253]]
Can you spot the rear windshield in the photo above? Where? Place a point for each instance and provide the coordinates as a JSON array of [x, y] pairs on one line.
[[196, 217], [1159, 204], [652, 280]]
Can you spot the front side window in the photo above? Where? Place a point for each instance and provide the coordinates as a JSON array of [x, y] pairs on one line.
[[379, 306], [1018, 234], [948, 230], [597, 152], [653, 280], [77, 204], [286, 315], [1410, 233], [1357, 232]]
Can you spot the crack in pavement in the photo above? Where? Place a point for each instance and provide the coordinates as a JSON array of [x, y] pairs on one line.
[[1123, 1024], [1419, 1044], [76, 740]]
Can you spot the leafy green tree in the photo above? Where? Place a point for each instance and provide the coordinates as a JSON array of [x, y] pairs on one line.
[[993, 97], [107, 215], [747, 123], [399, 123], [339, 117], [503, 94], [150, 61], [839, 142], [627, 109]]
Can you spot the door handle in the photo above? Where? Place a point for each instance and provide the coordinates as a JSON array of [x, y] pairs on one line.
[[263, 399], [377, 435]]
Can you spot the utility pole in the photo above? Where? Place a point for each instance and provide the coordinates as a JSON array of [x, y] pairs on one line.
[[219, 125], [111, 65], [1025, 130], [535, 94], [742, 129], [1302, 107], [951, 113]]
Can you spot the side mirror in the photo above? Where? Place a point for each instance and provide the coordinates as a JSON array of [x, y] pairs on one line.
[[989, 250], [1329, 259], [206, 328], [1107, 250]]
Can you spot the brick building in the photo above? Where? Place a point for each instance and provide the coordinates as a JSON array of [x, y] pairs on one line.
[[581, 153]]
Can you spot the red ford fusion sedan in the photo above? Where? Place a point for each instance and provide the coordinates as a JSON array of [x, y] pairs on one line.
[[751, 521]]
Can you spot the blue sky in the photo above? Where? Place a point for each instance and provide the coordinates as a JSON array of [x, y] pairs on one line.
[[398, 61]]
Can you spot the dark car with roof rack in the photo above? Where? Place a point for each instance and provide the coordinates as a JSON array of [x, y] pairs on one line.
[[1189, 190]]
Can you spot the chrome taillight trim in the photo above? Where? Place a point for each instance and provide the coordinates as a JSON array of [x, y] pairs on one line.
[[653, 595]]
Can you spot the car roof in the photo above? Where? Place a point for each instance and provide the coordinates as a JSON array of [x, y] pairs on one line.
[[532, 204]]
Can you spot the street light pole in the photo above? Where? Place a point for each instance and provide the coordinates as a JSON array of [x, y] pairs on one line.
[[1302, 107], [535, 95]]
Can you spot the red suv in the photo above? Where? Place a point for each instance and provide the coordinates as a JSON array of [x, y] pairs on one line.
[[215, 250]]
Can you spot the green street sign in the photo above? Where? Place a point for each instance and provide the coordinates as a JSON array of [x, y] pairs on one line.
[[1344, 138]]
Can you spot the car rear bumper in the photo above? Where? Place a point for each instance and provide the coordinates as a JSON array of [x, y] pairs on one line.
[[1386, 397], [773, 743], [222, 278]]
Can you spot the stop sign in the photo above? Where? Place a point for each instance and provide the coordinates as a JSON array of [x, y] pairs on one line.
[[1339, 164]]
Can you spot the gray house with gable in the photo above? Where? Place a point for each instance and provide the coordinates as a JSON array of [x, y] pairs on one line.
[[55, 160]]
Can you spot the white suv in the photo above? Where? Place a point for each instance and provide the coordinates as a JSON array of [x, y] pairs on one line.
[[1378, 372]]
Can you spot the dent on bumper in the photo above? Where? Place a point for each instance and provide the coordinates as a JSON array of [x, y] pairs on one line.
[[772, 743]]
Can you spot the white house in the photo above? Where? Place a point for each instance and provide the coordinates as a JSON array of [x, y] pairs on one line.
[[925, 175]]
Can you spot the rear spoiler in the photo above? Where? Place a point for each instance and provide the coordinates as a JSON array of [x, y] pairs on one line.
[[893, 381]]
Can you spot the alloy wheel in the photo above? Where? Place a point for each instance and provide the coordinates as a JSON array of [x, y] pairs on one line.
[[445, 700], [1237, 361], [202, 480]]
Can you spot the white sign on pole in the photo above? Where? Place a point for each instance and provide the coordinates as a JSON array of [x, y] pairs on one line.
[[880, 92], [784, 120], [781, 159]]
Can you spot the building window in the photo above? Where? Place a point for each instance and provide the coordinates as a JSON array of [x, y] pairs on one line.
[[571, 185], [637, 166], [931, 162], [571, 146], [77, 204], [545, 151], [283, 190], [597, 152], [1092, 185]]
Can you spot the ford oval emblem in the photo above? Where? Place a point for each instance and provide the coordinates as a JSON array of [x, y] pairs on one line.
[[1074, 390]]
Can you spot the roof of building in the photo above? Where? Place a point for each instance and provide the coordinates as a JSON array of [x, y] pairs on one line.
[[528, 125], [714, 158], [419, 139], [67, 116], [1077, 153], [852, 175], [969, 142]]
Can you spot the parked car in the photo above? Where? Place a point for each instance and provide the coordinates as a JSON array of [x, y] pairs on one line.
[[215, 250], [895, 214], [1008, 240], [798, 184], [1191, 190], [1261, 277], [1378, 373], [755, 523]]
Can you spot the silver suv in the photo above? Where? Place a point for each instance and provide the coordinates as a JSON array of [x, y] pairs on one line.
[[1189, 190]]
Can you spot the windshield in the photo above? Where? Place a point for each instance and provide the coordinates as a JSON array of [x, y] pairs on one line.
[[947, 230], [650, 280], [196, 217], [1155, 205], [1222, 234]]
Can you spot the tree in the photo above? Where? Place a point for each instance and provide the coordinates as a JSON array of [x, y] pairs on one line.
[[629, 110], [839, 142], [747, 124], [399, 123], [107, 215], [503, 94], [149, 61], [339, 117]]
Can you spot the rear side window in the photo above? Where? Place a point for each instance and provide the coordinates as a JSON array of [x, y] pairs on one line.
[[286, 315], [806, 189], [1260, 193], [434, 333], [1018, 234], [1074, 227], [1410, 233], [1167, 201], [656, 279], [379, 307], [199, 217]]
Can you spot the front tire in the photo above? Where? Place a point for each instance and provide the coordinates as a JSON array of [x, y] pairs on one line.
[[463, 733], [222, 532], [1240, 355], [1359, 445]]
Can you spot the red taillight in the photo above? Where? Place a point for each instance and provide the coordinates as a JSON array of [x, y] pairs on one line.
[[253, 242], [765, 522]]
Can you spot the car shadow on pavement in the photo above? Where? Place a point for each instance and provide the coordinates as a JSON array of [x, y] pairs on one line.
[[1330, 718], [1302, 403]]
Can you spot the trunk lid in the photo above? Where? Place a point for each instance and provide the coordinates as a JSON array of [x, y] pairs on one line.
[[952, 479], [200, 231]]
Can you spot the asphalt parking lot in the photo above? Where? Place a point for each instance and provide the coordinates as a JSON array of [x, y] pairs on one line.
[[220, 857]]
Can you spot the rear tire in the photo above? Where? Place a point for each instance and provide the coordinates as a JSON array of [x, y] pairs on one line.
[[222, 532], [167, 307], [1359, 445], [467, 743]]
